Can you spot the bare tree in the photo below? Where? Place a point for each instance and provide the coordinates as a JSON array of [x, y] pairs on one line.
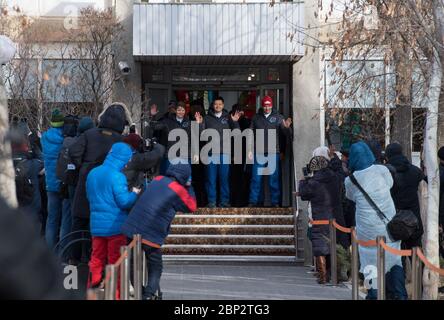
[[408, 36]]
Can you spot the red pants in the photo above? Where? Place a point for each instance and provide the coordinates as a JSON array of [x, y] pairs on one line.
[[105, 250]]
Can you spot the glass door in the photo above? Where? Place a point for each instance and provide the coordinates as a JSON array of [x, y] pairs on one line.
[[159, 94], [279, 94]]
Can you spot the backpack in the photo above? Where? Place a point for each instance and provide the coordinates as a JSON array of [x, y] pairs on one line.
[[23, 183], [65, 169]]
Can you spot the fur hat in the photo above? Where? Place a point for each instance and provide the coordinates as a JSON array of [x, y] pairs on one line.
[[318, 163]]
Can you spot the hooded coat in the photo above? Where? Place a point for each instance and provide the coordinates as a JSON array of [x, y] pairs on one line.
[[323, 192], [377, 181], [107, 192], [52, 141], [90, 150], [405, 191], [156, 208]]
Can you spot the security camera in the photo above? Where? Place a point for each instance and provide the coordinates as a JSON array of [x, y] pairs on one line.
[[7, 49], [124, 68]]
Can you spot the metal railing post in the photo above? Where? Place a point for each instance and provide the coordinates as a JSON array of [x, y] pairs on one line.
[[333, 254], [125, 273], [111, 284], [355, 267], [144, 271], [137, 253], [415, 275], [420, 275], [381, 268]]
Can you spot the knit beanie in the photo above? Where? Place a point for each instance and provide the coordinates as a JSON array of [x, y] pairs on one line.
[[267, 99], [57, 119], [85, 123]]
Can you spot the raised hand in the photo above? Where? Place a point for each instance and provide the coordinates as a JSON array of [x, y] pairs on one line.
[[199, 118], [235, 117], [287, 123]]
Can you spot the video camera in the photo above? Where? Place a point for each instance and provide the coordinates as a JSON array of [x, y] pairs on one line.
[[306, 171]]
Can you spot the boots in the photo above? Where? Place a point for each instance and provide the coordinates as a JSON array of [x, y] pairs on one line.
[[322, 269]]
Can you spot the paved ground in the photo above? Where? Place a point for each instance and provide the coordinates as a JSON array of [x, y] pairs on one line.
[[232, 282]]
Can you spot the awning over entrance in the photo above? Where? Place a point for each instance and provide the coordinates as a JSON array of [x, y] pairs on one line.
[[218, 33]]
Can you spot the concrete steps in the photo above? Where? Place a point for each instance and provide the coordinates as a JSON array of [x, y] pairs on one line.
[[232, 234]]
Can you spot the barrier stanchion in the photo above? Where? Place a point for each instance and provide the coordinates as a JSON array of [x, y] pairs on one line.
[[420, 272], [415, 274], [333, 254], [355, 266], [125, 273], [381, 267], [144, 271], [137, 253], [110, 282]]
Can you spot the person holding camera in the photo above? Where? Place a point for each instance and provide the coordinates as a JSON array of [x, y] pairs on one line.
[[320, 186], [142, 160], [89, 151]]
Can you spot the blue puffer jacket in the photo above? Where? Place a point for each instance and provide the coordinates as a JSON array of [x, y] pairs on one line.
[[107, 192], [155, 210], [52, 141]]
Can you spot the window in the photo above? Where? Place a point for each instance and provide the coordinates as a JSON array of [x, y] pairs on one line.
[[351, 112], [65, 81], [228, 74]]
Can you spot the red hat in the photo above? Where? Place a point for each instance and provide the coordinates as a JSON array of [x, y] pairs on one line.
[[267, 99]]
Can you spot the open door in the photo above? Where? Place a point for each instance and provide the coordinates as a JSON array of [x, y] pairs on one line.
[[280, 96], [159, 94]]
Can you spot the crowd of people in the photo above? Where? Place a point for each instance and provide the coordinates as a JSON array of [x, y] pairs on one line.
[[102, 177], [353, 190]]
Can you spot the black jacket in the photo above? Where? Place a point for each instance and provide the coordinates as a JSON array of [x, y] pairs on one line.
[[142, 162], [171, 123], [323, 192], [29, 269], [406, 183], [89, 151], [274, 121], [220, 124], [406, 179]]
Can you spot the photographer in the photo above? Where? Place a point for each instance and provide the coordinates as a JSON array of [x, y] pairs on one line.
[[321, 190], [142, 160]]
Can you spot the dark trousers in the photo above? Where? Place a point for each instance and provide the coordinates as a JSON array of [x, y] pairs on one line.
[[77, 250], [154, 268], [395, 286]]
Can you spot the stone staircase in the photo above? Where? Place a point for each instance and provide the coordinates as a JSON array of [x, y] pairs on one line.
[[233, 234]]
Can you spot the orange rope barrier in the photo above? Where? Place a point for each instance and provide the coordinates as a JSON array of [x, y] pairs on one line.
[[121, 258], [132, 244], [429, 264], [341, 228], [369, 243], [402, 253], [319, 222]]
